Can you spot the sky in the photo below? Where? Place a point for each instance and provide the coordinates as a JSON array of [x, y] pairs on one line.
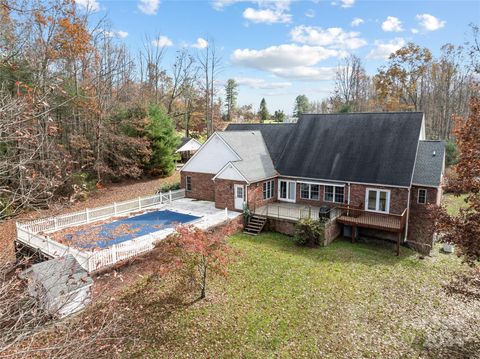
[[280, 49]]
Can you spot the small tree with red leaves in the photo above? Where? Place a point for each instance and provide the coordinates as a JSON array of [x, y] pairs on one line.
[[464, 230], [199, 253]]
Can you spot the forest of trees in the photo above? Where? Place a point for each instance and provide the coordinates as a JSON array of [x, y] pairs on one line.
[[75, 103], [412, 80]]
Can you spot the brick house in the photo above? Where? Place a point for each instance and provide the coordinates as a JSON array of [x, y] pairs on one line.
[[376, 169]]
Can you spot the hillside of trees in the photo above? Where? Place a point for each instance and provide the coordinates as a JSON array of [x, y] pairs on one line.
[[79, 109]]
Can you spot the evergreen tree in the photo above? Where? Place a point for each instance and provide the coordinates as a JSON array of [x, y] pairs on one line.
[[279, 116], [263, 111], [164, 141], [231, 94], [302, 105]]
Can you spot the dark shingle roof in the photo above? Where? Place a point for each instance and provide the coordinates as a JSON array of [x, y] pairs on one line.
[[183, 141], [429, 164], [274, 135], [375, 148]]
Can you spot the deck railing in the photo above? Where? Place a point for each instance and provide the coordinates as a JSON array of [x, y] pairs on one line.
[[294, 212], [355, 212]]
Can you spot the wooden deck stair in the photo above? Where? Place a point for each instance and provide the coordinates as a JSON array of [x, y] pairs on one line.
[[255, 225]]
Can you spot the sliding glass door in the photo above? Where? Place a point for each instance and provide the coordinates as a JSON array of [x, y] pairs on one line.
[[286, 190]]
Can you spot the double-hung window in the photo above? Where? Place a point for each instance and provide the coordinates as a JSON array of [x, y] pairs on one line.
[[422, 196], [188, 183], [334, 194], [268, 188], [309, 191], [377, 200]]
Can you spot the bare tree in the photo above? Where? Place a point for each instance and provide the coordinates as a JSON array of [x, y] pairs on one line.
[[184, 72], [150, 60], [209, 62], [350, 83]]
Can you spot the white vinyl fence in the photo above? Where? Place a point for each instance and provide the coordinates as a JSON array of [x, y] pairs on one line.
[[34, 233]]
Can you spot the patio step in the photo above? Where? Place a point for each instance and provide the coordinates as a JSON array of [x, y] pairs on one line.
[[255, 225]]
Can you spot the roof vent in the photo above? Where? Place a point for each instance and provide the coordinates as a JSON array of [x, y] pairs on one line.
[[434, 153]]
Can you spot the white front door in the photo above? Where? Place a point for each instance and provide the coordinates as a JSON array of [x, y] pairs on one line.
[[239, 195]]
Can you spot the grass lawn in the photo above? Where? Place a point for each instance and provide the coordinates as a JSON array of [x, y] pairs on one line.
[[454, 203], [341, 301]]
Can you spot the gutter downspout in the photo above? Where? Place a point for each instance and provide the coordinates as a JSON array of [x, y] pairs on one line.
[[349, 188], [408, 214]]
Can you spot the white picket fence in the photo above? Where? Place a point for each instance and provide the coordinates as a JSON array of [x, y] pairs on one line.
[[90, 215], [33, 233]]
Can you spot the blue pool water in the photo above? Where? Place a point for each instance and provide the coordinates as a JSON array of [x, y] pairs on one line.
[[105, 235]]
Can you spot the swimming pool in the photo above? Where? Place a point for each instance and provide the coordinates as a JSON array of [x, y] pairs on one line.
[[106, 234]]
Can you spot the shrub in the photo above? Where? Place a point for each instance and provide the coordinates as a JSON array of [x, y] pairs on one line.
[[309, 232], [169, 187]]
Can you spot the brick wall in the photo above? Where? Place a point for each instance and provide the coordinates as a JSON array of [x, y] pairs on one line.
[[283, 226], [203, 187], [332, 231], [224, 196], [421, 221], [255, 194], [398, 197]]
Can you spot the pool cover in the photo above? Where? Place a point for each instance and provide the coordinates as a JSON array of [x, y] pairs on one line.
[[107, 234]]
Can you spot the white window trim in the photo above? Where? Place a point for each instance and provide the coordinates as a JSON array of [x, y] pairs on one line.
[[418, 196], [186, 183], [294, 192], [270, 191], [310, 191], [377, 202], [334, 191]]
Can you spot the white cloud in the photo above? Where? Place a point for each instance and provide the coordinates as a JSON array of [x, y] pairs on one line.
[[344, 3], [430, 22], [269, 12], [347, 3], [357, 22], [307, 73], [287, 55], [256, 83], [392, 23], [267, 16], [220, 4], [121, 34], [334, 37], [414, 31], [200, 44], [149, 7], [91, 5], [383, 50], [310, 13], [162, 41], [288, 61]]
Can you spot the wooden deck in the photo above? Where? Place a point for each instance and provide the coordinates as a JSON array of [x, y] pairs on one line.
[[356, 217], [361, 218], [374, 221]]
